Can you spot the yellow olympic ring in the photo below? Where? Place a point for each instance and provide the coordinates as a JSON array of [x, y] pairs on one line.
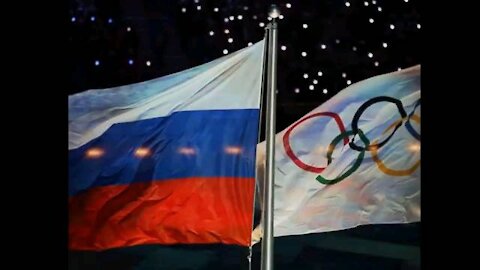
[[382, 166]]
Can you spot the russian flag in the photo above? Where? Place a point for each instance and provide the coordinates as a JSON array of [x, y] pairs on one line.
[[167, 161]]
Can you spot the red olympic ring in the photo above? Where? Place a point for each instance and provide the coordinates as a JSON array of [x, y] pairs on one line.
[[288, 148]]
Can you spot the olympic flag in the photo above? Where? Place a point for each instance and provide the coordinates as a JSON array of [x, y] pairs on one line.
[[353, 160]]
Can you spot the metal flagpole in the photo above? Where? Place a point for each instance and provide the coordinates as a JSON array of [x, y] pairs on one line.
[[267, 242]]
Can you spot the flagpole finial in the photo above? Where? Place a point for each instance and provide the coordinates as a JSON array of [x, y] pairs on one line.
[[274, 11]]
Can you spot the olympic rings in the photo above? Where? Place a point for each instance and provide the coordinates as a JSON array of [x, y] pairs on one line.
[[359, 113], [344, 135], [288, 148], [387, 170], [355, 166], [408, 125]]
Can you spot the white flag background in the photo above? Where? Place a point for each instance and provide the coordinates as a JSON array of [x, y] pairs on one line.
[[379, 184]]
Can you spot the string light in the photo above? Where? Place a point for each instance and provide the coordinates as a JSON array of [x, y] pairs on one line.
[[370, 55], [349, 82], [239, 17], [74, 19], [110, 20], [419, 26], [311, 87], [199, 7], [304, 54], [374, 2], [305, 75], [365, 3], [184, 10], [230, 40], [97, 62], [354, 48], [250, 44], [379, 9], [337, 41], [305, 26], [211, 33], [215, 9], [392, 26], [225, 20], [283, 48], [297, 90], [254, 17], [288, 5], [376, 63], [225, 51], [384, 44], [315, 81], [92, 18], [130, 62], [344, 75], [261, 24], [281, 17], [148, 63], [371, 20], [325, 91], [231, 18], [245, 8], [347, 4], [129, 29], [320, 73], [406, 1], [323, 46], [226, 31]]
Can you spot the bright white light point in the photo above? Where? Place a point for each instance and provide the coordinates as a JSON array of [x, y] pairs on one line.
[[233, 150], [305, 75], [376, 64], [250, 43], [269, 18], [184, 10], [196, 1], [245, 8], [254, 17], [305, 26], [414, 147], [225, 20], [347, 4], [92, 18], [225, 51], [419, 26], [385, 45], [142, 152], [149, 63], [315, 81], [325, 91], [110, 20], [320, 73], [281, 17], [199, 7], [354, 48], [239, 17], [365, 3], [227, 31], [297, 90], [344, 75], [349, 82], [215, 9], [231, 18], [304, 54], [371, 20], [211, 33], [230, 40], [399, 69], [97, 63], [380, 9], [370, 54], [130, 62], [337, 41], [311, 87], [406, 1], [392, 26], [324, 46], [73, 19], [374, 2], [283, 47], [129, 29], [288, 5], [261, 24]]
